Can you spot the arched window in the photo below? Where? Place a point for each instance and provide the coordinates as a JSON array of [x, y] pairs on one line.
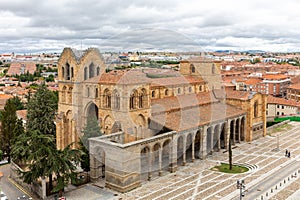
[[63, 94], [91, 70], [107, 98], [116, 100], [178, 90], [133, 99], [68, 71], [142, 99], [166, 92], [153, 93], [200, 88], [256, 109], [72, 72], [193, 70], [85, 73], [70, 95], [96, 93], [98, 71], [63, 72], [190, 89]]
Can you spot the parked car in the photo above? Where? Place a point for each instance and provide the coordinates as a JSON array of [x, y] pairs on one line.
[[3, 196]]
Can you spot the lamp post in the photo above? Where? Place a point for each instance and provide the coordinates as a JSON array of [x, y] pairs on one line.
[[241, 185]]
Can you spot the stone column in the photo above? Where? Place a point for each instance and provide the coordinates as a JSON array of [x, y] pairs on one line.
[[219, 139], [203, 141], [150, 165], [212, 140], [44, 195], [184, 152], [173, 157], [193, 150], [240, 122], [160, 161]]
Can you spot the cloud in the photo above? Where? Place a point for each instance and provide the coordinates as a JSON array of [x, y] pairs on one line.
[[32, 25]]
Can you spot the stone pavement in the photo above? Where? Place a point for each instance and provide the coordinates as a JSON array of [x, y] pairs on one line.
[[197, 181]]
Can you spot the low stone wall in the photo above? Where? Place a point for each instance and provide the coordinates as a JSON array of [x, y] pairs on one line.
[[271, 128], [15, 176]]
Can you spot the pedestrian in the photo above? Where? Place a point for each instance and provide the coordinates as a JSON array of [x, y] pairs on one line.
[[286, 153], [289, 154]]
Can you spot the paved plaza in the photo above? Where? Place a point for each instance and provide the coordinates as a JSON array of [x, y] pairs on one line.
[[197, 181]]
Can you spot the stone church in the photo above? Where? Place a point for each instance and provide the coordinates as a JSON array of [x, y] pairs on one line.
[[153, 120]]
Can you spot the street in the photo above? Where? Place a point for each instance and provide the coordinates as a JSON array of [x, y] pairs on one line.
[[12, 192]]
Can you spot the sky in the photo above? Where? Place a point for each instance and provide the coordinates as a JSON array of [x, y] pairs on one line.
[[164, 25]]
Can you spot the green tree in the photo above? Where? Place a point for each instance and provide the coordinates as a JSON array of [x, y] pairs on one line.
[[41, 111], [92, 129], [37, 145], [8, 122], [18, 103]]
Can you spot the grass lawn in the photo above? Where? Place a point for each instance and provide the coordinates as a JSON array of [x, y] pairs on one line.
[[225, 168]]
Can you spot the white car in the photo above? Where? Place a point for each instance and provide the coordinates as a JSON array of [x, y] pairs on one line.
[[3, 196]]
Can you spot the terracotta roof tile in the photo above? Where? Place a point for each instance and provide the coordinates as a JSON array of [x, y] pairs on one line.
[[275, 100]]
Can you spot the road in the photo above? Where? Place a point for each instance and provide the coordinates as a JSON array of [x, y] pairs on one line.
[[7, 187], [272, 180]]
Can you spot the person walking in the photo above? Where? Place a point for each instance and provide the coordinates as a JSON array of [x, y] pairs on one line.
[[286, 153], [289, 154]]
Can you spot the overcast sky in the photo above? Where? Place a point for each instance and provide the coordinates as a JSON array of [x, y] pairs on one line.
[[42, 25]]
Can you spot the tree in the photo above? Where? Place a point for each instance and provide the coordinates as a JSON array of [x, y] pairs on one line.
[[46, 160], [41, 111], [92, 129], [37, 147], [230, 155], [8, 122], [18, 103]]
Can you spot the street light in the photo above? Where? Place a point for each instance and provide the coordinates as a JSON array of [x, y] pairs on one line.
[[241, 185]]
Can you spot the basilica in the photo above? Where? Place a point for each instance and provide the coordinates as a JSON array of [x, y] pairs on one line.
[[153, 120]]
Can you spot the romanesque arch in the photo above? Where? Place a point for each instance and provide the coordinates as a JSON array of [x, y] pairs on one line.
[[189, 146], [145, 156], [166, 151], [143, 98], [133, 100], [243, 129], [197, 144], [64, 94], [91, 70], [91, 111], [180, 150], [116, 100], [108, 123], [107, 98], [97, 163], [223, 136], [156, 157]]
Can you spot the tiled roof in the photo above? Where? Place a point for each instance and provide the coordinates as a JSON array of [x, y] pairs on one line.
[[295, 86], [253, 81], [183, 101], [21, 68], [236, 94], [275, 76], [281, 101], [191, 117]]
